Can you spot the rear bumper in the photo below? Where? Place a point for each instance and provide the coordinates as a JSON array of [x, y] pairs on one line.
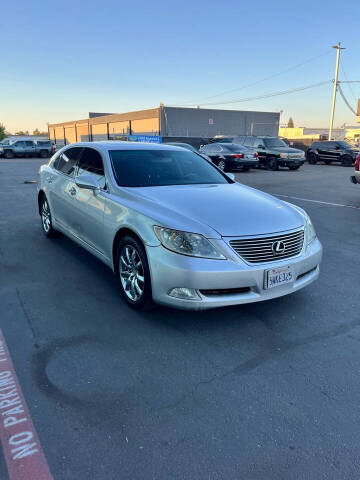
[[238, 164], [170, 270]]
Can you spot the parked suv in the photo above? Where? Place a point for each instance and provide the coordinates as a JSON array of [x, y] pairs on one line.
[[27, 148], [332, 151], [272, 151]]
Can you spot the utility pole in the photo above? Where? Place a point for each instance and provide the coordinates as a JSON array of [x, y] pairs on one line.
[[338, 47]]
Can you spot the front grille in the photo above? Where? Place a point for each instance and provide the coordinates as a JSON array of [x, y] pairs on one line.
[[262, 249], [225, 291]]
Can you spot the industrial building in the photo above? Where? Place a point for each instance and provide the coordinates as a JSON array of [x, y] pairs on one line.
[[166, 124]]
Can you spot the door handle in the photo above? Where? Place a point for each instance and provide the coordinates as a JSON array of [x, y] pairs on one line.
[[72, 191]]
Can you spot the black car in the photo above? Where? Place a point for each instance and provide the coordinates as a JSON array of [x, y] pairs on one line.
[[230, 156], [332, 151], [273, 152]]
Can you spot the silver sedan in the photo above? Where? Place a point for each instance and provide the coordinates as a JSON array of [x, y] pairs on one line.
[[174, 228]]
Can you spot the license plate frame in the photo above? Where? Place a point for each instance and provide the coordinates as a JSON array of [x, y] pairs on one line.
[[275, 277]]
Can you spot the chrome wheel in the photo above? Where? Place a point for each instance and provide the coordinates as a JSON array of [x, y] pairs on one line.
[[45, 216], [132, 274], [221, 165]]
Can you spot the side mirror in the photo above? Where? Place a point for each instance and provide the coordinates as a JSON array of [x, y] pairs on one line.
[[337, 147], [87, 181], [261, 146], [231, 176]]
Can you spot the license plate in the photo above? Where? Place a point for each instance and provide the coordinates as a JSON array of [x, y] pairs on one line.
[[278, 276]]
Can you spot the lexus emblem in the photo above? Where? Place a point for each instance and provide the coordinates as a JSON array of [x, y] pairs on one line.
[[278, 247]]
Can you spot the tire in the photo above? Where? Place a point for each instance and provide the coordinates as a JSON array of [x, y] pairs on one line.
[[43, 154], [272, 164], [327, 162], [245, 169], [134, 274], [9, 154], [46, 220], [346, 161], [294, 167], [222, 165], [312, 159]]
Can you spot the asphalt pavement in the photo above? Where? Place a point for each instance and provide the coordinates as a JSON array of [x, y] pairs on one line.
[[263, 391]]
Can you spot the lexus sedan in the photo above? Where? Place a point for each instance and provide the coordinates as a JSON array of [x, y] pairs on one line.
[[174, 228], [230, 156]]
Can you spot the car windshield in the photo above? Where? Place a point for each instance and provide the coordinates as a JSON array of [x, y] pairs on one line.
[[274, 142], [344, 145], [150, 168]]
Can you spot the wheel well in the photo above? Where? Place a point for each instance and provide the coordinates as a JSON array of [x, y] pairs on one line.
[[41, 195], [119, 235]]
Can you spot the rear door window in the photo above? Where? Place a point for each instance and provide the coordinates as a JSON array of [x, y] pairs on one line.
[[67, 161], [91, 163], [249, 142]]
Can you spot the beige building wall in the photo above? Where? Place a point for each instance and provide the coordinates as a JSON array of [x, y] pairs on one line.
[[119, 128], [70, 135], [82, 132], [147, 125], [59, 134], [295, 132]]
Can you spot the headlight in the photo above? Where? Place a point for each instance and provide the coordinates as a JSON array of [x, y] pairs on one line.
[[310, 233], [185, 243], [283, 155]]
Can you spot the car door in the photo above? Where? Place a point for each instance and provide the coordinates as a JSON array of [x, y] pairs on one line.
[[90, 204], [336, 151], [259, 146], [30, 147], [19, 148], [324, 150], [61, 189]]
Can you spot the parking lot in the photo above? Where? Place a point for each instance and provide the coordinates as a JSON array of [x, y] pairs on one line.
[[259, 391]]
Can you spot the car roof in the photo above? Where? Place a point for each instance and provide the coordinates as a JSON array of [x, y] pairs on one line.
[[107, 145]]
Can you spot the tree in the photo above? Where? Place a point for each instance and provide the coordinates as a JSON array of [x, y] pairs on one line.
[[21, 133], [2, 132], [291, 123], [36, 132]]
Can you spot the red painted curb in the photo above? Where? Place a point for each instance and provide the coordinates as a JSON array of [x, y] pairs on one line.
[[24, 456]]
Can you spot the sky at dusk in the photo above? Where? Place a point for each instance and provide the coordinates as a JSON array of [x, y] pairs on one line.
[[61, 60]]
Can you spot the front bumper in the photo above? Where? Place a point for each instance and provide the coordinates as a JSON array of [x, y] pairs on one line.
[[170, 270], [290, 162]]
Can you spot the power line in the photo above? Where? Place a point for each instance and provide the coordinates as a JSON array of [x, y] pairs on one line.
[[347, 81], [257, 81], [268, 95], [346, 101]]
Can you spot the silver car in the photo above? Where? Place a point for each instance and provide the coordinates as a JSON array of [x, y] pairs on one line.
[[174, 228]]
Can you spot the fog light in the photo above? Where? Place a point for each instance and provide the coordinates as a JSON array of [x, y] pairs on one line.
[[184, 293]]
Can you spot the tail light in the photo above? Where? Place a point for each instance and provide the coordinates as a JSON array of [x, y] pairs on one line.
[[357, 163], [237, 155], [256, 155]]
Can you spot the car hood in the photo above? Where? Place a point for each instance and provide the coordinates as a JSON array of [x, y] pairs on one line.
[[229, 209], [286, 149]]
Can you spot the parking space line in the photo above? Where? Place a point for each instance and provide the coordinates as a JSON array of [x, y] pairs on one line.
[[317, 201], [24, 456]]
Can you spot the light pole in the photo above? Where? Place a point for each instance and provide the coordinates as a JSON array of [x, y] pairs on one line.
[[338, 48]]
